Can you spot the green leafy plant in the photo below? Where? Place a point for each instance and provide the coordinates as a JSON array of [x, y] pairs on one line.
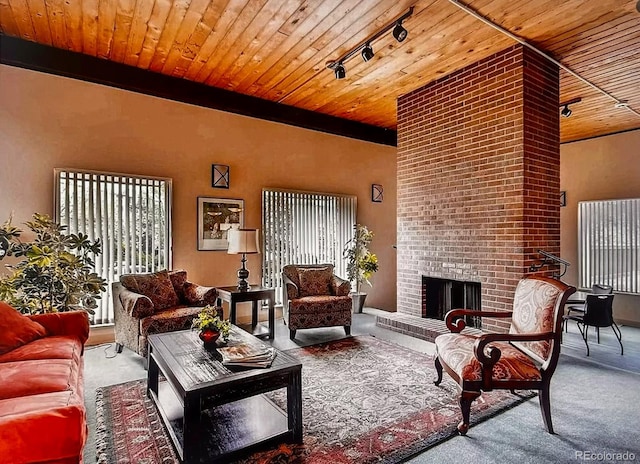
[[208, 319], [56, 272], [361, 263]]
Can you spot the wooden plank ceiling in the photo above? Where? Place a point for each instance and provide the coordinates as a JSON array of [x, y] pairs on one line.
[[278, 49]]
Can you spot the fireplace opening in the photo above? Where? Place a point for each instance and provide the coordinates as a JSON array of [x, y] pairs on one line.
[[442, 295]]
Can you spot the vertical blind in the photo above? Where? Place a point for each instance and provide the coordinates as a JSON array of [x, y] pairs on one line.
[[609, 244], [304, 228], [130, 214]]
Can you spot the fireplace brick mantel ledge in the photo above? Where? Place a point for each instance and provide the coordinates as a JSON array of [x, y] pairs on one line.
[[419, 327]]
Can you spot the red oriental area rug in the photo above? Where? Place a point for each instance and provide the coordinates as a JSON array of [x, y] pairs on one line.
[[364, 401]]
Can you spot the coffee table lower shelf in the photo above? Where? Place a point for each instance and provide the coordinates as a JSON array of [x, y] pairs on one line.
[[259, 330], [229, 430]]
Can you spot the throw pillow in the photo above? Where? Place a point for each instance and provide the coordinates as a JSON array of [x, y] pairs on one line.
[[315, 281], [341, 287], [17, 330], [157, 287], [178, 279]]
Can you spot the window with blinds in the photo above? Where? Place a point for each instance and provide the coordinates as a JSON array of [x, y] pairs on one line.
[[609, 244], [304, 228], [130, 214]]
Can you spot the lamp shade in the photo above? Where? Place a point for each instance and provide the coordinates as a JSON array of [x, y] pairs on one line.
[[243, 241]]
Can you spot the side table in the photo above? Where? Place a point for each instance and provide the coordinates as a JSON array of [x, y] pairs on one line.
[[255, 293]]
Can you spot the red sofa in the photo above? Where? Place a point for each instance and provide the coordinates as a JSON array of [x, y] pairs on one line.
[[42, 413]]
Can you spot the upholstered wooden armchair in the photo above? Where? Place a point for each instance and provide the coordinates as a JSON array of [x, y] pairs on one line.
[[160, 302], [523, 359], [313, 296]]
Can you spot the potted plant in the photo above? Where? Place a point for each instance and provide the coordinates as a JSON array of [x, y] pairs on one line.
[[210, 325], [56, 272], [361, 263]]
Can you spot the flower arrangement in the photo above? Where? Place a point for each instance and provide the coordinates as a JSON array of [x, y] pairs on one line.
[[361, 263], [208, 320]]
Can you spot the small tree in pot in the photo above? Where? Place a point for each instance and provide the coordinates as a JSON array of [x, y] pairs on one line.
[[361, 263], [56, 272]]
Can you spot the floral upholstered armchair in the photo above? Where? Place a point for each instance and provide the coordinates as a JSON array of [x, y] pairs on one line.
[[523, 359], [313, 296], [146, 304]]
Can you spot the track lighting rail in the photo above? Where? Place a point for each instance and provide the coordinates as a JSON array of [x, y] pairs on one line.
[[617, 102], [399, 32]]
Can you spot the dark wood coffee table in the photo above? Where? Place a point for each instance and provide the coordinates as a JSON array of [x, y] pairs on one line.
[[214, 413]]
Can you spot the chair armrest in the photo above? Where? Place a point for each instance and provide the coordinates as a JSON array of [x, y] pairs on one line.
[[455, 318], [135, 305], [340, 286], [488, 355], [289, 290], [576, 308], [73, 323], [199, 295]]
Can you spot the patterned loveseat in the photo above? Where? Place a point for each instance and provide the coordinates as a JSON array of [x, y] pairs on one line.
[[313, 296], [146, 304]]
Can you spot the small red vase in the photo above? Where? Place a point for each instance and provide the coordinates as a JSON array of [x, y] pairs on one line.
[[208, 335]]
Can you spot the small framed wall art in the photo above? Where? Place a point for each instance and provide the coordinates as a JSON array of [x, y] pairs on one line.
[[216, 216], [220, 176], [563, 198], [377, 193]]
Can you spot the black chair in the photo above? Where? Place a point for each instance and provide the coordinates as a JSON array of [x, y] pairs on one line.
[[598, 312], [596, 289]]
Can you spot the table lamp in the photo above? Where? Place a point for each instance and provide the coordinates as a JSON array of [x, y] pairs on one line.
[[243, 241]]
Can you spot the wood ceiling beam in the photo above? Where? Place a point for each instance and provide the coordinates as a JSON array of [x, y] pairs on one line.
[[29, 55]]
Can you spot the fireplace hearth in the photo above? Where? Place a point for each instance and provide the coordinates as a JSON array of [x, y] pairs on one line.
[[442, 295]]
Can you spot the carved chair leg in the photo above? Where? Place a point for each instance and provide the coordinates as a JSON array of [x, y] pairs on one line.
[[466, 398], [292, 334], [347, 330], [545, 406], [438, 370]]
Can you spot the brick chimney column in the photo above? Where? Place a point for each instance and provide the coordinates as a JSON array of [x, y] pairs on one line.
[[478, 177]]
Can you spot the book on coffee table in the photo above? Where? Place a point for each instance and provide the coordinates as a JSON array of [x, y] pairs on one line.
[[247, 355]]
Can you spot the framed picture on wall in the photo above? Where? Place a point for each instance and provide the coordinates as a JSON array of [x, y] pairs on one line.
[[215, 217]]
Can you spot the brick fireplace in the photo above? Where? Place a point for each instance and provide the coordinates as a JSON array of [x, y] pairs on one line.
[[478, 178], [442, 295]]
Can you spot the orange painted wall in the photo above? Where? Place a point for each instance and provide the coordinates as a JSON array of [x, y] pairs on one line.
[[603, 168], [48, 121]]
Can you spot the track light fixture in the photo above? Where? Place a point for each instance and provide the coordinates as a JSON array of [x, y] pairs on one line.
[[566, 111], [399, 32], [365, 48], [367, 52]]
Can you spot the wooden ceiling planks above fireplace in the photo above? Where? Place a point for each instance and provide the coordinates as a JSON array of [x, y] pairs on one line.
[[277, 50]]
